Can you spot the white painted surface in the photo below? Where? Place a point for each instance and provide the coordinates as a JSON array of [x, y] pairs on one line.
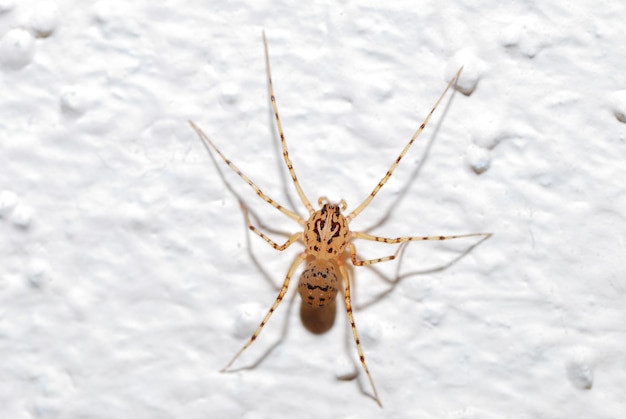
[[126, 284]]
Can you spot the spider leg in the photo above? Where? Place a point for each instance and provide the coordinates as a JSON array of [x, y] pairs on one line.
[[357, 262], [209, 145], [385, 178], [365, 236], [280, 247], [402, 240], [283, 144], [348, 303], [301, 257]]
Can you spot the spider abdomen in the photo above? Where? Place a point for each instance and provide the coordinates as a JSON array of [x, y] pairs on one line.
[[319, 283]]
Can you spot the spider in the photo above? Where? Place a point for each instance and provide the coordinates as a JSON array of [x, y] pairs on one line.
[[328, 241]]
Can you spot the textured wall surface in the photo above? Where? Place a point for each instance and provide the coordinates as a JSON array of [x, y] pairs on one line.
[[128, 278]]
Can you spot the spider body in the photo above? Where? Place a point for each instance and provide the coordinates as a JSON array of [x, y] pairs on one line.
[[328, 242]]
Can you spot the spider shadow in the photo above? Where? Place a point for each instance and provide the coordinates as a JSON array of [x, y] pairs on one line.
[[267, 352], [253, 215], [400, 277], [314, 325]]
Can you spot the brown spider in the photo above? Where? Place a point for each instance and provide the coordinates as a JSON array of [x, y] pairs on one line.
[[326, 237]]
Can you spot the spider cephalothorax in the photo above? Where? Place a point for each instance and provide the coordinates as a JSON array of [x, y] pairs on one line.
[[326, 232]]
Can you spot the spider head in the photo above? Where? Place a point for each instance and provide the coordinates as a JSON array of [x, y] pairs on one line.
[[329, 206]]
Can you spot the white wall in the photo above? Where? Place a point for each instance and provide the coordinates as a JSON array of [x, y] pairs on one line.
[[126, 282]]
